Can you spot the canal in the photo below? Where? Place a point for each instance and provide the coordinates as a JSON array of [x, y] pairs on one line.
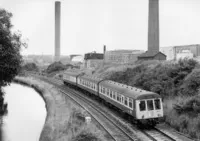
[[26, 114]]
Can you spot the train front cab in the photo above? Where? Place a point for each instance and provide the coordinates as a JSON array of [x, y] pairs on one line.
[[149, 108]]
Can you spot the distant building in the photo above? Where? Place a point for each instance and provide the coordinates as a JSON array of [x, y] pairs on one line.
[[93, 60], [122, 56], [93, 55], [184, 54], [148, 55], [177, 52]]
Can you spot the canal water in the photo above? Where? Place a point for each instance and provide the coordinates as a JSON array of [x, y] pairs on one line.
[[26, 114]]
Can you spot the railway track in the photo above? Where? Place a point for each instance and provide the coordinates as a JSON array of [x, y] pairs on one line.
[[157, 135], [119, 131], [116, 132]]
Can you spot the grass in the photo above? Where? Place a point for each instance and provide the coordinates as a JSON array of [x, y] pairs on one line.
[[63, 121], [182, 113]]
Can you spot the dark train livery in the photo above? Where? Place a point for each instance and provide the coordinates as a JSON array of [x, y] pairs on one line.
[[143, 106]]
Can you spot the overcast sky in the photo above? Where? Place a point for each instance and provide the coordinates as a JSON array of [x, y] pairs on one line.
[[86, 25]]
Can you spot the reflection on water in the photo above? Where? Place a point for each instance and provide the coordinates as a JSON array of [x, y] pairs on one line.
[[26, 114]]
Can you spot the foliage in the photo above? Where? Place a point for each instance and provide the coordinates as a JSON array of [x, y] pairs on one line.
[[164, 78], [190, 106], [10, 45], [56, 66], [30, 67], [183, 115], [191, 83]]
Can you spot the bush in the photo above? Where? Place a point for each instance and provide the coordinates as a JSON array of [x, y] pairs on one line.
[[56, 66], [191, 83], [30, 67], [190, 106], [164, 78]]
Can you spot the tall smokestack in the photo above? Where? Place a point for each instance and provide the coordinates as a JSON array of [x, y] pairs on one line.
[[153, 27], [57, 31], [104, 49]]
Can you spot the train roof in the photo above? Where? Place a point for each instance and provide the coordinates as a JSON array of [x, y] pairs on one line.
[[129, 91], [73, 73], [91, 78]]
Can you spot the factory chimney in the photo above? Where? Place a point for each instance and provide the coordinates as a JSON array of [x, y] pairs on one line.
[[57, 31], [153, 27]]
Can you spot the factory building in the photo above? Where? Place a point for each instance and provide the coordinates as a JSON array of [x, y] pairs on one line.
[[93, 60], [122, 56], [178, 52]]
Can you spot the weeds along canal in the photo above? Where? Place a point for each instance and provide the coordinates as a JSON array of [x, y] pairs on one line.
[[26, 114]]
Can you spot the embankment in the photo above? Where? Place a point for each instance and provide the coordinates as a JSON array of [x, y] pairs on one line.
[[62, 122]]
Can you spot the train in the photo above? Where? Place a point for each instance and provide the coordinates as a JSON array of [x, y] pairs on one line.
[[142, 106]]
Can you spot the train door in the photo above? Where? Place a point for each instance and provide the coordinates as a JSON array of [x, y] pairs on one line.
[[141, 109]]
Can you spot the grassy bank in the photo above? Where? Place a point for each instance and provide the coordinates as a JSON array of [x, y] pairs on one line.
[[178, 83], [63, 121]]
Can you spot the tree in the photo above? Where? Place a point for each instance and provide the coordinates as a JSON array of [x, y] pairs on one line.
[[10, 45]]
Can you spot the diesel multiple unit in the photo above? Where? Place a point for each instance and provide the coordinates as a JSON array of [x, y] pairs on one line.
[[143, 106]]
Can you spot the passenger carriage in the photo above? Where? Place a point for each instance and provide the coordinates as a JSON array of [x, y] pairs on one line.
[[89, 83], [142, 105], [71, 77], [139, 103]]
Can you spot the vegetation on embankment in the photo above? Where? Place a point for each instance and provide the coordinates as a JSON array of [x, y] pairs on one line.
[[10, 57], [178, 83], [30, 67], [64, 118]]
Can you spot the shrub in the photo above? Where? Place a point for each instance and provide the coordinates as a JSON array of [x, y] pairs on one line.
[[30, 67], [164, 78], [190, 106], [191, 83], [56, 66]]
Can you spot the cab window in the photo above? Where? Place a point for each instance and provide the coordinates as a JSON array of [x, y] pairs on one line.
[[150, 104], [142, 106], [157, 104]]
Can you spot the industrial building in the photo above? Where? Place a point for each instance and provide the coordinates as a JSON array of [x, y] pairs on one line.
[[122, 56], [93, 60], [179, 52]]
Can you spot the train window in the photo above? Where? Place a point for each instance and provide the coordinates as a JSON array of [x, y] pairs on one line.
[[111, 95], [150, 104], [142, 106], [122, 98], [104, 90], [130, 103], [108, 92], [157, 104], [114, 96], [126, 101], [117, 97]]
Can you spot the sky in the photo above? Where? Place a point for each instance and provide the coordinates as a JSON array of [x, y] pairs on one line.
[[87, 25]]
